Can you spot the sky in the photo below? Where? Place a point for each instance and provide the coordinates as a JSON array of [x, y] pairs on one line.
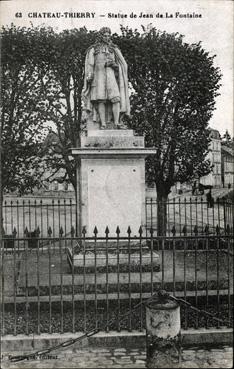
[[211, 23]]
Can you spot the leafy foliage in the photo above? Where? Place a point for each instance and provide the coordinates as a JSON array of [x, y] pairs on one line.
[[42, 80], [23, 111], [174, 89], [63, 64]]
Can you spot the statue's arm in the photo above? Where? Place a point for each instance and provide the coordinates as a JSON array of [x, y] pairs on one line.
[[112, 64]]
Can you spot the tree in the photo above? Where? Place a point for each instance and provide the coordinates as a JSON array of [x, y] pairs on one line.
[[174, 85], [23, 111], [226, 139], [62, 59], [174, 89], [43, 79]]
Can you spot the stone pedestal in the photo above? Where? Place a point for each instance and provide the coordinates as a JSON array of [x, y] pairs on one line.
[[112, 181]]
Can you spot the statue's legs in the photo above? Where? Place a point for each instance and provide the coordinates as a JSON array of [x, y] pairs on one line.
[[102, 113], [116, 111]]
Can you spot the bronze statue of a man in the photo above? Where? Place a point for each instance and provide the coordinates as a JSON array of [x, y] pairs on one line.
[[105, 92]]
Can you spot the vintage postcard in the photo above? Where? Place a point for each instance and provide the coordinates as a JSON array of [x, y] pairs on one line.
[[116, 181]]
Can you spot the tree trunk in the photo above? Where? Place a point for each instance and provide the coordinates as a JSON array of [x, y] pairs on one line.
[[78, 200], [1, 191], [162, 198]]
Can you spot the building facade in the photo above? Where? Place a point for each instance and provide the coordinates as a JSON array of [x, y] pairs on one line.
[[214, 178], [227, 166]]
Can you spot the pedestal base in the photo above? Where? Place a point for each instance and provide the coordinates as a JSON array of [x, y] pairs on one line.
[[112, 181], [122, 261]]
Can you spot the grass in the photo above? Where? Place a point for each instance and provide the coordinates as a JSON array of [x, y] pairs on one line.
[[205, 271], [32, 270], [86, 315]]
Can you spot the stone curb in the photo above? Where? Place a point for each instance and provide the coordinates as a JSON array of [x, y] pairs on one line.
[[132, 339]]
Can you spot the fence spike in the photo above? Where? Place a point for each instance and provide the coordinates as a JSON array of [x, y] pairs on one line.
[[206, 229], [49, 231], [84, 231], [95, 231], [217, 229], [26, 232], [3, 231], [151, 231], [184, 230], [195, 230], [61, 231], [140, 231], [129, 231], [117, 231], [14, 232], [72, 231], [228, 229], [107, 231], [173, 230]]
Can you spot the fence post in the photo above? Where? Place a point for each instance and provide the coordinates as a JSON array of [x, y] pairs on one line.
[[163, 337]]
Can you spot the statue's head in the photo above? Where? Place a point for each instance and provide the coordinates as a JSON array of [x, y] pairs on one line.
[[105, 34]]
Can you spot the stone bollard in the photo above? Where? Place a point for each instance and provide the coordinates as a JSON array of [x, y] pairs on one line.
[[163, 333]]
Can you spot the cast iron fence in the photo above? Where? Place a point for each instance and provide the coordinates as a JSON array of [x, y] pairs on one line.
[[42, 214], [191, 212], [63, 283], [39, 214]]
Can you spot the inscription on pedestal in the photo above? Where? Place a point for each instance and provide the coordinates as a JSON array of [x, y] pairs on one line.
[[115, 195]]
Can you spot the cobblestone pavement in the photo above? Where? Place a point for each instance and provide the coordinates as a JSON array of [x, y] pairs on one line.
[[121, 358]]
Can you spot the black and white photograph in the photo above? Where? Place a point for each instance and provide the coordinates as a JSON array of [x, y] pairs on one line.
[[116, 184]]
